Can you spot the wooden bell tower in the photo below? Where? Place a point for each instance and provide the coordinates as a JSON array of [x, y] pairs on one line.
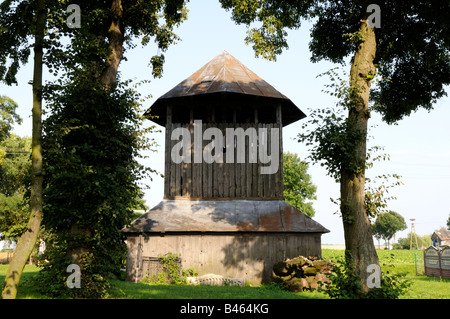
[[224, 134], [223, 208]]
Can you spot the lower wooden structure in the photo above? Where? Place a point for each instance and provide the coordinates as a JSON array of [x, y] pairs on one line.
[[232, 238]]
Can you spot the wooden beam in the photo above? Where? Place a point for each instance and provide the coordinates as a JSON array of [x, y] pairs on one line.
[[279, 178], [167, 158]]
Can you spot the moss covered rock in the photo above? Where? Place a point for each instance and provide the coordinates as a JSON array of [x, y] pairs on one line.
[[302, 273]]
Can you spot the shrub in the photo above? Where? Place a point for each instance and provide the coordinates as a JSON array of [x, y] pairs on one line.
[[52, 279], [172, 274], [345, 283]]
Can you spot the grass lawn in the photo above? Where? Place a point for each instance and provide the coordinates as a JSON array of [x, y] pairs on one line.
[[145, 291], [25, 290], [410, 262], [422, 287]]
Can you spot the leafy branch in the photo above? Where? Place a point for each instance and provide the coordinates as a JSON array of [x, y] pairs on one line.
[[329, 133], [332, 141]]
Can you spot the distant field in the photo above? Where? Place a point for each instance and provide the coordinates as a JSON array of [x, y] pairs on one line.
[[332, 246]]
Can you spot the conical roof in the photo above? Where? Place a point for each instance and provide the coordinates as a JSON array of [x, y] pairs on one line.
[[226, 75]]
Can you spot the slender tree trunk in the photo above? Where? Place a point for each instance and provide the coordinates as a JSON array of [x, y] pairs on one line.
[[357, 228], [28, 239]]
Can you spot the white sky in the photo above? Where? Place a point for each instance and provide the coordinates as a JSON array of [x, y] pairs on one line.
[[418, 146]]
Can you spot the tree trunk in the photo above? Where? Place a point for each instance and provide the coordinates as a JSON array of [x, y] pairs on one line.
[[28, 239], [357, 227], [107, 78], [115, 39]]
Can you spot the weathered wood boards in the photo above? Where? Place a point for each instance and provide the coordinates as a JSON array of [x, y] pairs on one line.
[[248, 255], [234, 176]]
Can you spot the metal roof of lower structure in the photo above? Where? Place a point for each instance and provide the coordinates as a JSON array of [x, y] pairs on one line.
[[224, 216]]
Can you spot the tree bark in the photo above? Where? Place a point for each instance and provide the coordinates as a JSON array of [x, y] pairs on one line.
[[115, 39], [28, 239], [357, 227]]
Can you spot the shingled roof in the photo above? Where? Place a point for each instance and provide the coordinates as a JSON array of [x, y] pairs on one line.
[[226, 75], [224, 216], [442, 236]]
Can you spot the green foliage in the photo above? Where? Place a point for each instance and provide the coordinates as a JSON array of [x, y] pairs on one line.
[[14, 213], [93, 134], [15, 165], [408, 242], [91, 144], [172, 274], [332, 140], [142, 20], [410, 52], [91, 149], [298, 187], [268, 37], [158, 279], [329, 134], [387, 224], [412, 45], [346, 283], [172, 266], [190, 272], [139, 204], [52, 279], [393, 284], [376, 196], [14, 185], [16, 21], [8, 117]]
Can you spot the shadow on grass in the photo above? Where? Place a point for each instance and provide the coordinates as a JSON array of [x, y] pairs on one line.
[[146, 291], [25, 290]]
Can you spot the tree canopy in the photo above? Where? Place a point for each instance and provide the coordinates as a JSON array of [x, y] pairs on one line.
[[105, 24], [412, 43], [8, 116], [14, 172], [93, 133], [387, 224], [14, 185], [298, 186]]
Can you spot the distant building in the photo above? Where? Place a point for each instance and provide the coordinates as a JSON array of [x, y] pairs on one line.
[[7, 244], [441, 238]]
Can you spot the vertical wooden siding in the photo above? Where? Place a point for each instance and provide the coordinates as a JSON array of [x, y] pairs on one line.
[[250, 255], [221, 180]]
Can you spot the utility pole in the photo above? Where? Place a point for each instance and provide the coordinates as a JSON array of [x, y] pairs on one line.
[[413, 232]]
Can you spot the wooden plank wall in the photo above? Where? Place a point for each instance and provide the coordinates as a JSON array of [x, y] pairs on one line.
[[221, 180], [248, 255]]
